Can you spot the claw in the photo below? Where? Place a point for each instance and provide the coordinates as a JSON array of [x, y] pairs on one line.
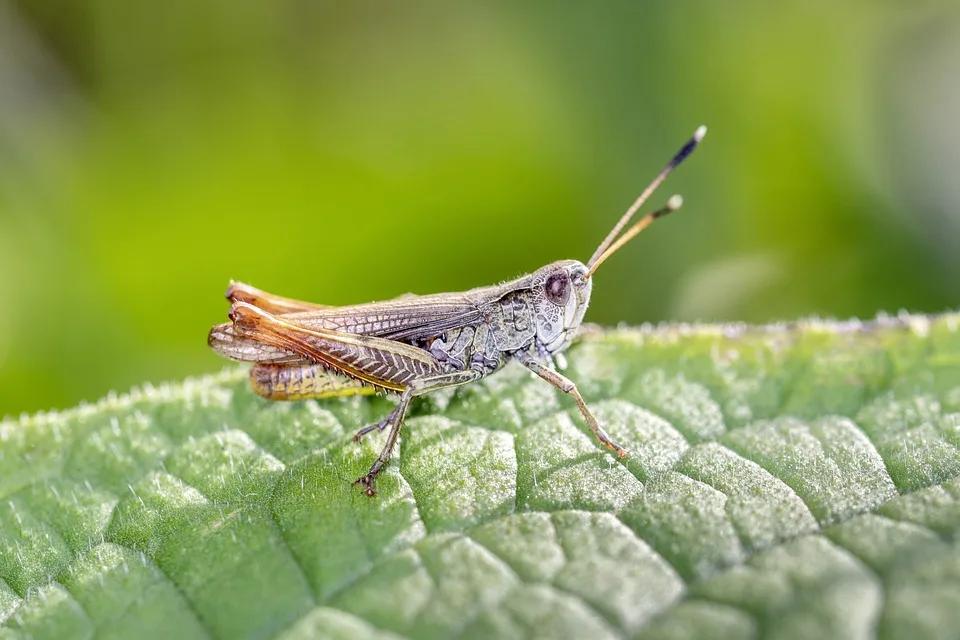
[[367, 481], [621, 452]]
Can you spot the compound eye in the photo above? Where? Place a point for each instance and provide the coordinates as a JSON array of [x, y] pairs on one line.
[[557, 288]]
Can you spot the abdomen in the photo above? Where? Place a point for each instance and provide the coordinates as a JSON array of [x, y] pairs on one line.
[[303, 381]]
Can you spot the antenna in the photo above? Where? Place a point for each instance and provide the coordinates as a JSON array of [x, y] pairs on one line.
[[611, 244]]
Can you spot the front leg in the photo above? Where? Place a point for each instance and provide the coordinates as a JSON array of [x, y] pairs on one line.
[[568, 387], [417, 387]]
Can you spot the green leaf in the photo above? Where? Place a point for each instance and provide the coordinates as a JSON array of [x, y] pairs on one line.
[[790, 481]]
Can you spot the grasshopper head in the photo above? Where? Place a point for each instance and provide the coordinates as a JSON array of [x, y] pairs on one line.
[[561, 294], [561, 291]]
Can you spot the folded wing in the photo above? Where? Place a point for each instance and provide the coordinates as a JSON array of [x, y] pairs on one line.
[[385, 364], [406, 319]]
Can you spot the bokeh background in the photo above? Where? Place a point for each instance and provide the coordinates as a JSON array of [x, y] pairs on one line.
[[345, 152]]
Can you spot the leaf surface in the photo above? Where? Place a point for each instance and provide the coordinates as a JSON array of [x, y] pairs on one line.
[[787, 481]]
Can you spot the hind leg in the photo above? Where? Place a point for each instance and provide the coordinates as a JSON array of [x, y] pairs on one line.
[[417, 387]]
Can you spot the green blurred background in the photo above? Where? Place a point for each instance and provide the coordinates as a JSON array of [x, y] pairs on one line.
[[345, 152]]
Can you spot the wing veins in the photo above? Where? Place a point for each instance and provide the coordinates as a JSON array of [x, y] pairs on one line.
[[320, 345]]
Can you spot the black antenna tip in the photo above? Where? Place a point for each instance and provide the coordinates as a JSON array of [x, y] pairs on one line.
[[689, 147]]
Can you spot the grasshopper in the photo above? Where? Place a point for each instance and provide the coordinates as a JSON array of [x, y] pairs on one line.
[[414, 345]]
